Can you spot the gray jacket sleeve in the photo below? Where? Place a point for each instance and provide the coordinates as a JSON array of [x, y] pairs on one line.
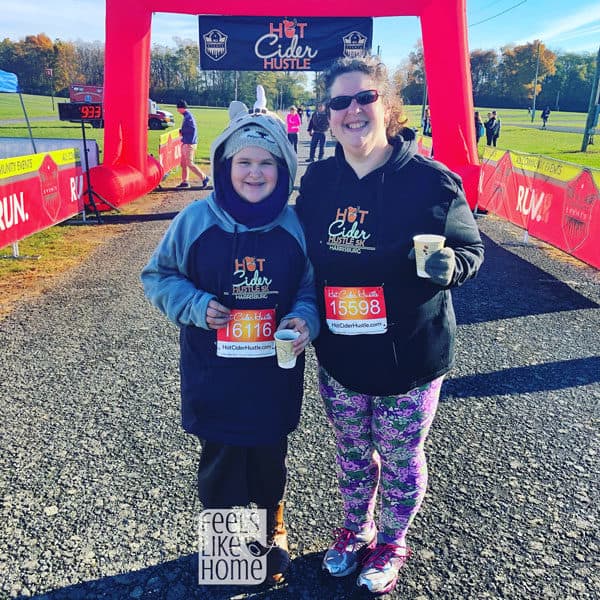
[[165, 279]]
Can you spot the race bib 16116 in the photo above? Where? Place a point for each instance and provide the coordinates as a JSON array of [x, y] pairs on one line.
[[249, 334]]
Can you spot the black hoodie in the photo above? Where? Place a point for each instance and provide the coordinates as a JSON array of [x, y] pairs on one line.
[[359, 233]]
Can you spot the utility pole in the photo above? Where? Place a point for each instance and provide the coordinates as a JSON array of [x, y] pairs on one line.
[[594, 109], [424, 102], [537, 69], [50, 75]]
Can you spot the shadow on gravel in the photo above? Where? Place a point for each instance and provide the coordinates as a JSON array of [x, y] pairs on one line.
[[121, 219], [534, 378], [508, 286], [177, 580]]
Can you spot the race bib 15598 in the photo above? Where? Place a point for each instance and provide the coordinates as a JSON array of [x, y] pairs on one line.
[[355, 310]]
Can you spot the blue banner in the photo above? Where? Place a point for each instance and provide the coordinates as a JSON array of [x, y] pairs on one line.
[[8, 82], [280, 43]]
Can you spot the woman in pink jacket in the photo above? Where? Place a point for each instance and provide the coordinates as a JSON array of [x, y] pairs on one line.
[[293, 126]]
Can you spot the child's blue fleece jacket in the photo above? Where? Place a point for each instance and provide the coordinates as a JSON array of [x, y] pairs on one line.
[[205, 254]]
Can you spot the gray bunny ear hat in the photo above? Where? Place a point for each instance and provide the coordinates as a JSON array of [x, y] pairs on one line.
[[257, 128]]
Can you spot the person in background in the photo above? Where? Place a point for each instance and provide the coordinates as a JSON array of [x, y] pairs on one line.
[[301, 112], [317, 127], [426, 122], [496, 128], [489, 125], [387, 335], [189, 141], [293, 126], [545, 116], [203, 276], [479, 128]]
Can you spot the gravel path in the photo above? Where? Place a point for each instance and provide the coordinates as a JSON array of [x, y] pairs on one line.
[[98, 479], [6, 122], [558, 128]]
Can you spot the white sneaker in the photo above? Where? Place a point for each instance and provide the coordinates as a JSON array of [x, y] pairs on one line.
[[347, 551], [380, 569]]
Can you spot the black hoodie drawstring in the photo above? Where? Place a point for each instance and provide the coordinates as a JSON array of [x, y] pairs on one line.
[[381, 207], [228, 295], [255, 245]]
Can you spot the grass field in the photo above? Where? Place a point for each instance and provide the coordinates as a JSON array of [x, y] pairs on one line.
[[45, 124], [512, 116], [514, 136], [211, 121], [37, 106], [59, 247]]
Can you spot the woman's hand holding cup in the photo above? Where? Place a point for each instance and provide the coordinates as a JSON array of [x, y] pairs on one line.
[[440, 265], [434, 261]]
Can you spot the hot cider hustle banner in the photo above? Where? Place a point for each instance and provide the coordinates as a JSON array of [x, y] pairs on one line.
[[280, 43]]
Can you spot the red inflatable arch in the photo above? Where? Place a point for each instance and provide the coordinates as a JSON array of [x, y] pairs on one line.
[[128, 173]]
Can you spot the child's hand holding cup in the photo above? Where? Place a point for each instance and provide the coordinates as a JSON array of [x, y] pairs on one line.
[[284, 346]]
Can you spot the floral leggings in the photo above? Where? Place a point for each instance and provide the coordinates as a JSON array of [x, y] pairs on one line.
[[381, 438]]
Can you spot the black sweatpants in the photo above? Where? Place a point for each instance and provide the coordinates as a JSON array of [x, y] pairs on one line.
[[317, 138], [237, 475], [293, 137]]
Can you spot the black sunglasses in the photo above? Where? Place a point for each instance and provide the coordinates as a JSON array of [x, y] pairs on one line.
[[364, 97]]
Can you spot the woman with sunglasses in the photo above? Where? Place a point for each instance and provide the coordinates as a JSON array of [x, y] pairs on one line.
[[387, 336]]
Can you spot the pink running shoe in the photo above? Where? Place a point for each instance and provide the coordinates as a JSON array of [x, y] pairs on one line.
[[348, 550], [380, 569]]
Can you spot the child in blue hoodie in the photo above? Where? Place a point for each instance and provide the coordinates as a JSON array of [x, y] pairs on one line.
[[229, 272]]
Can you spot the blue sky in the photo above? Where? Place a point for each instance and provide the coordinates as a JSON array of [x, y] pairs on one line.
[[570, 26]]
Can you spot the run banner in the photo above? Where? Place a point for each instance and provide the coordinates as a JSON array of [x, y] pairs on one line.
[[425, 146], [280, 43], [169, 151], [38, 191], [554, 201]]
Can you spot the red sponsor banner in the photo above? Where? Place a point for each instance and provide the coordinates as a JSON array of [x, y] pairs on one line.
[[554, 201], [38, 191], [169, 151], [499, 187], [580, 219], [424, 146]]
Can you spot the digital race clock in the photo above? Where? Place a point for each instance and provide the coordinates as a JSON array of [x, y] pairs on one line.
[[75, 111]]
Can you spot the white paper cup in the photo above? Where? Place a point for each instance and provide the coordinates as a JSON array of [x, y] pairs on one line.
[[426, 244], [284, 339]]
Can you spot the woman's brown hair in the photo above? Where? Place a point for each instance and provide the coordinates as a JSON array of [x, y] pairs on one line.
[[377, 71]]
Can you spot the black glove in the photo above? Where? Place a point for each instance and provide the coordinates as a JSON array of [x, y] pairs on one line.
[[440, 266]]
